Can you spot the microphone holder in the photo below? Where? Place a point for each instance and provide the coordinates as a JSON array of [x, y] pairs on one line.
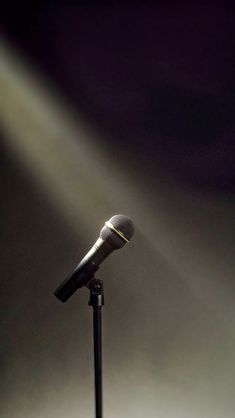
[[97, 301], [116, 232]]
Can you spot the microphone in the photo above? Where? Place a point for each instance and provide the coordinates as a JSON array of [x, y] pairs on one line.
[[115, 233]]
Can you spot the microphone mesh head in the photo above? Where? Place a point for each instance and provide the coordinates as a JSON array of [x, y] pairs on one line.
[[123, 225]]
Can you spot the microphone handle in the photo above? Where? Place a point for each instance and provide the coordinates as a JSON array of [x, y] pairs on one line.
[[84, 271]]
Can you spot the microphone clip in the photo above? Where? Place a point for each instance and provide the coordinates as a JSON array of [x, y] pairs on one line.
[[96, 293]]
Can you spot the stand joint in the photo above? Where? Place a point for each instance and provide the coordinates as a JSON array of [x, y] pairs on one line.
[[96, 293]]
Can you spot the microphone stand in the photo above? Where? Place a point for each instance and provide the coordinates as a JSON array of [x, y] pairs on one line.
[[97, 301], [63, 292], [115, 233]]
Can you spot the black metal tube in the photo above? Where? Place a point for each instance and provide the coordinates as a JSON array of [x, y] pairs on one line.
[[97, 328], [97, 301]]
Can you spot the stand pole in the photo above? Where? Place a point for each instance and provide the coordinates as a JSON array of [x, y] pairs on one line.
[[97, 301]]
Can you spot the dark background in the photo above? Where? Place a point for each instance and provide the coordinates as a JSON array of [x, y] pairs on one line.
[[106, 108]]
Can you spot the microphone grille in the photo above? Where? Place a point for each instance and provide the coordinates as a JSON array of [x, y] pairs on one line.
[[117, 231], [123, 224]]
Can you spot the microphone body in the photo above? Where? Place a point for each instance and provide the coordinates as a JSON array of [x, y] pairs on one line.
[[113, 235]]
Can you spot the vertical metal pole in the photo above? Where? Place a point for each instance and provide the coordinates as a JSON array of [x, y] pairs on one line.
[[98, 359], [97, 301]]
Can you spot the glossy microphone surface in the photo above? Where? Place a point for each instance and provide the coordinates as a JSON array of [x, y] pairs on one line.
[[115, 233]]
